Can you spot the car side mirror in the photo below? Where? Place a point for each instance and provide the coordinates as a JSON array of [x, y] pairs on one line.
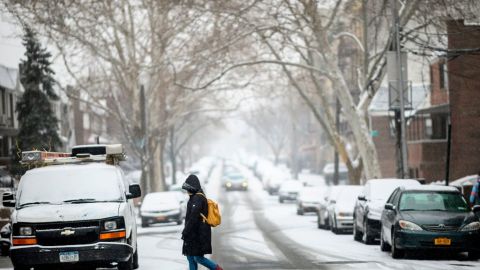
[[8, 199], [476, 209], [134, 191], [362, 198], [390, 207]]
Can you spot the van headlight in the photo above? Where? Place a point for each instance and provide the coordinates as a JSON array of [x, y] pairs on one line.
[[25, 231], [113, 224], [474, 226], [409, 226], [110, 225]]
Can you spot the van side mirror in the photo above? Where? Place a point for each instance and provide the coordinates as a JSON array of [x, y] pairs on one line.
[[476, 209], [390, 207], [362, 198], [8, 199], [134, 191]]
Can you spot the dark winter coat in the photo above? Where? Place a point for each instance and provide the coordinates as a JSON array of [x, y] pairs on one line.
[[196, 235]]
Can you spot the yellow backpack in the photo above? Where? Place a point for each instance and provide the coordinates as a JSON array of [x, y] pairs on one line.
[[214, 218]]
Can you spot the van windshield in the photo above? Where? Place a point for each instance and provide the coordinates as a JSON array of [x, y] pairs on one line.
[[71, 185]]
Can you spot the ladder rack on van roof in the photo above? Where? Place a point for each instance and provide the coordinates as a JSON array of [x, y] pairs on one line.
[[110, 154]]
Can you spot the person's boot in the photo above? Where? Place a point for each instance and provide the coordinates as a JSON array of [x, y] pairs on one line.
[[218, 267]]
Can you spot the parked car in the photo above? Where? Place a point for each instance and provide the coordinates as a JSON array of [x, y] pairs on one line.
[[429, 218], [235, 181], [329, 171], [322, 213], [273, 180], [289, 190], [161, 207], [340, 209], [370, 204], [309, 199]]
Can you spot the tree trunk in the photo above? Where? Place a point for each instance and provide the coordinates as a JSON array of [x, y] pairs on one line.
[[357, 122], [173, 158]]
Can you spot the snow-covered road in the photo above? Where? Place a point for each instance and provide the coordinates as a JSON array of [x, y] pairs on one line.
[[257, 232]]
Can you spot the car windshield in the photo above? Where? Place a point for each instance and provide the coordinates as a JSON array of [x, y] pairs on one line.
[[311, 193], [348, 195], [235, 177], [161, 198], [433, 201], [70, 185]]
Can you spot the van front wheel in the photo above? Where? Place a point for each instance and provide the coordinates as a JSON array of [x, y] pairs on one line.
[[128, 265]]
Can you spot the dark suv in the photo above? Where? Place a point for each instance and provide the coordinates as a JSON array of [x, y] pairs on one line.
[[429, 218]]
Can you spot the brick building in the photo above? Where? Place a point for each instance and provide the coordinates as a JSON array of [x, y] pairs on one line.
[[427, 129], [382, 125], [464, 87], [453, 97]]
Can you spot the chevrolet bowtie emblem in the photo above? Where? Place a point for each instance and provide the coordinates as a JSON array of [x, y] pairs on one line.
[[67, 232]]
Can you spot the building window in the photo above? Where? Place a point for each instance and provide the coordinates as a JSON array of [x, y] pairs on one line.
[[3, 101], [443, 69], [4, 146], [11, 111], [428, 128]]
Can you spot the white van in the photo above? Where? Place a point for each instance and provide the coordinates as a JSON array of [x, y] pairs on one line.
[[74, 209]]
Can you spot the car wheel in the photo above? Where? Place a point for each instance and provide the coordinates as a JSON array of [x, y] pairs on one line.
[[135, 259], [396, 252], [357, 235], [318, 221], [300, 212], [280, 200], [180, 221], [333, 226], [326, 222], [367, 238], [384, 246], [145, 225], [473, 255]]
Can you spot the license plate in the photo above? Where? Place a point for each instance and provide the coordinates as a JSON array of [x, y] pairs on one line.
[[69, 256], [161, 218], [443, 242]]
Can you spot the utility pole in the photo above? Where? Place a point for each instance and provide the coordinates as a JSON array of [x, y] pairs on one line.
[[146, 147], [401, 88], [449, 147]]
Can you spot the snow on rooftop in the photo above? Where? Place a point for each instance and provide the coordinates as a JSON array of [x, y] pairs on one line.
[[431, 188], [78, 166]]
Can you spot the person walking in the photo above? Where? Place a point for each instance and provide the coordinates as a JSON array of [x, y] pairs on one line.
[[475, 195], [197, 234]]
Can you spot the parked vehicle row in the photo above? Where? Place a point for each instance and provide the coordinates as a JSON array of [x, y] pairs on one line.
[[401, 214]]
